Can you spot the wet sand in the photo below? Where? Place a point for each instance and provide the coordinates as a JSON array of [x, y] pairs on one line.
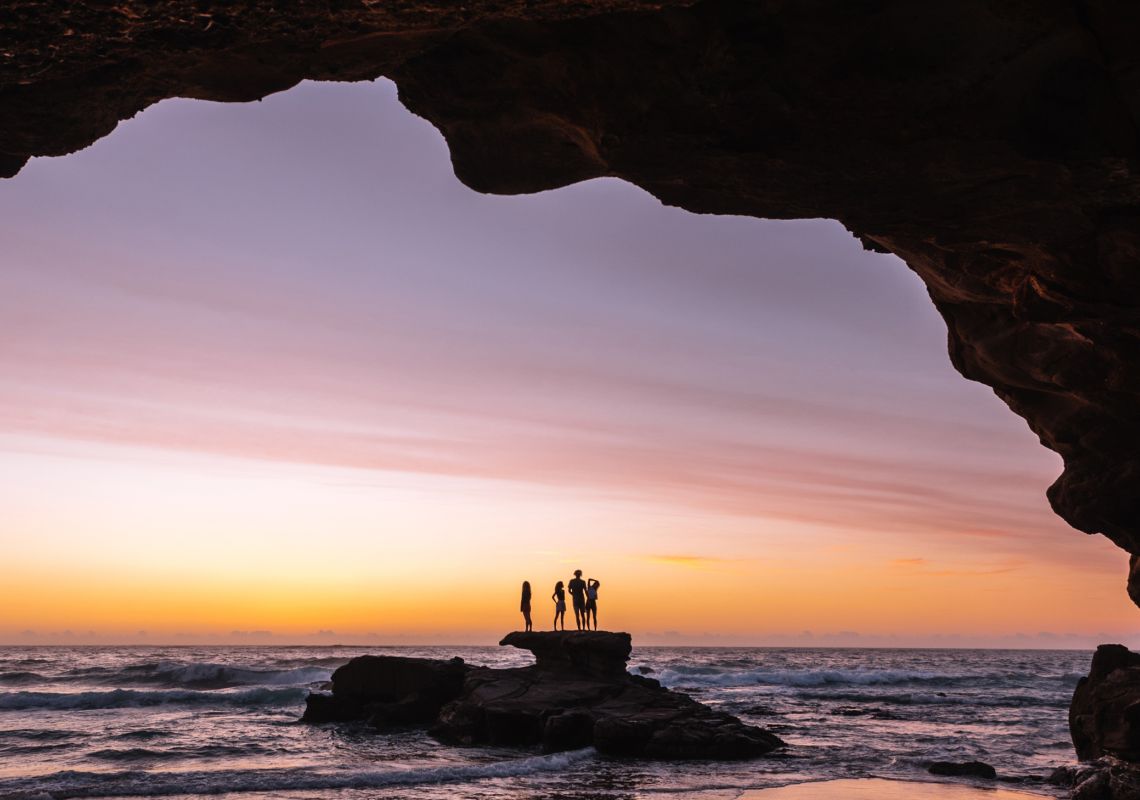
[[877, 789]]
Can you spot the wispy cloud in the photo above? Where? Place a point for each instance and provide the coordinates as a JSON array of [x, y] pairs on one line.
[[732, 367], [922, 566], [686, 561]]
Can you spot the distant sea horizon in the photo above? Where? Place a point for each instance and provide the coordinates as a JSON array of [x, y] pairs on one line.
[[467, 645], [1071, 643]]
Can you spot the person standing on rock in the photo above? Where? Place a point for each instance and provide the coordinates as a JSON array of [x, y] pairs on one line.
[[592, 602], [577, 589], [524, 607], [559, 598]]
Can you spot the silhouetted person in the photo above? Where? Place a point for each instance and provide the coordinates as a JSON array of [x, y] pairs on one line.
[[559, 598], [592, 602], [524, 607], [577, 589]]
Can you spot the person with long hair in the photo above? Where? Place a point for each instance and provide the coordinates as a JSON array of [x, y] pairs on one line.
[[559, 598], [592, 601], [524, 607]]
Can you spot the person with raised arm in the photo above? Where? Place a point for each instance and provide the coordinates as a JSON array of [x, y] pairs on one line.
[[592, 602], [577, 588]]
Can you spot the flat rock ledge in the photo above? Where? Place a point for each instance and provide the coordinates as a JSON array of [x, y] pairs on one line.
[[577, 694], [598, 653]]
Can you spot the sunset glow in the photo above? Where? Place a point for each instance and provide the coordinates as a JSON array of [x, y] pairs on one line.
[[269, 374]]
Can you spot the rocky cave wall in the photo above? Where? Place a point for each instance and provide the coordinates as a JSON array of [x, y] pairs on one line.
[[991, 145]]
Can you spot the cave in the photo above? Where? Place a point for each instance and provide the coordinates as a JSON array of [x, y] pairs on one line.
[[992, 147]]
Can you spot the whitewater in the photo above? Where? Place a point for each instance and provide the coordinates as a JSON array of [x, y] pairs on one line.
[[191, 721]]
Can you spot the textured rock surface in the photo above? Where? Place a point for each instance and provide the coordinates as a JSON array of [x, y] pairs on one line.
[[630, 717], [578, 693], [600, 653], [958, 769], [992, 145], [1104, 718], [388, 691], [1106, 778], [571, 698]]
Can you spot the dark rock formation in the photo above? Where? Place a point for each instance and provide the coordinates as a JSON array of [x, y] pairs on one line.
[[388, 691], [577, 694], [993, 146], [967, 769], [1104, 718], [602, 654], [1106, 778]]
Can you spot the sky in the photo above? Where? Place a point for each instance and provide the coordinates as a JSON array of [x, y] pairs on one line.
[[270, 373]]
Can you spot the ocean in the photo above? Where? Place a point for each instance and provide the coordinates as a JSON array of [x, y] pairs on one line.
[[188, 721]]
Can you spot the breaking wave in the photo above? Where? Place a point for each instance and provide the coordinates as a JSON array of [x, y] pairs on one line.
[[935, 699], [20, 678], [71, 784], [677, 677], [132, 698], [213, 676]]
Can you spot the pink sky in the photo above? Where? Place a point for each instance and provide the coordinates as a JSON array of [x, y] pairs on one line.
[[219, 300]]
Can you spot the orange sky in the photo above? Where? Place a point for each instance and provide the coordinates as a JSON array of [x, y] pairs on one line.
[[353, 401]]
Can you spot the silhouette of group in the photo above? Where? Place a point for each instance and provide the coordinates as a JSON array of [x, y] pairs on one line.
[[583, 595]]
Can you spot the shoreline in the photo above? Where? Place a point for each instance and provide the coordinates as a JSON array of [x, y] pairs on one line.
[[887, 789]]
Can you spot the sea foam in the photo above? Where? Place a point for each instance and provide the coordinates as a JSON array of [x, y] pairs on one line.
[[129, 698], [682, 676], [72, 783]]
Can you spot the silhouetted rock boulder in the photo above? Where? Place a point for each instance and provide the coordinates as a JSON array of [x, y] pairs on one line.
[[388, 691], [590, 652], [961, 769], [1104, 721], [1107, 778], [1104, 717], [577, 694]]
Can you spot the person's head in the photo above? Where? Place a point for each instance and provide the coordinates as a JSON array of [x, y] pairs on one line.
[[558, 586], [577, 573], [526, 586]]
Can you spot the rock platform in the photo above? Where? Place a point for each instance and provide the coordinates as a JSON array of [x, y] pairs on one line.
[[576, 694]]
